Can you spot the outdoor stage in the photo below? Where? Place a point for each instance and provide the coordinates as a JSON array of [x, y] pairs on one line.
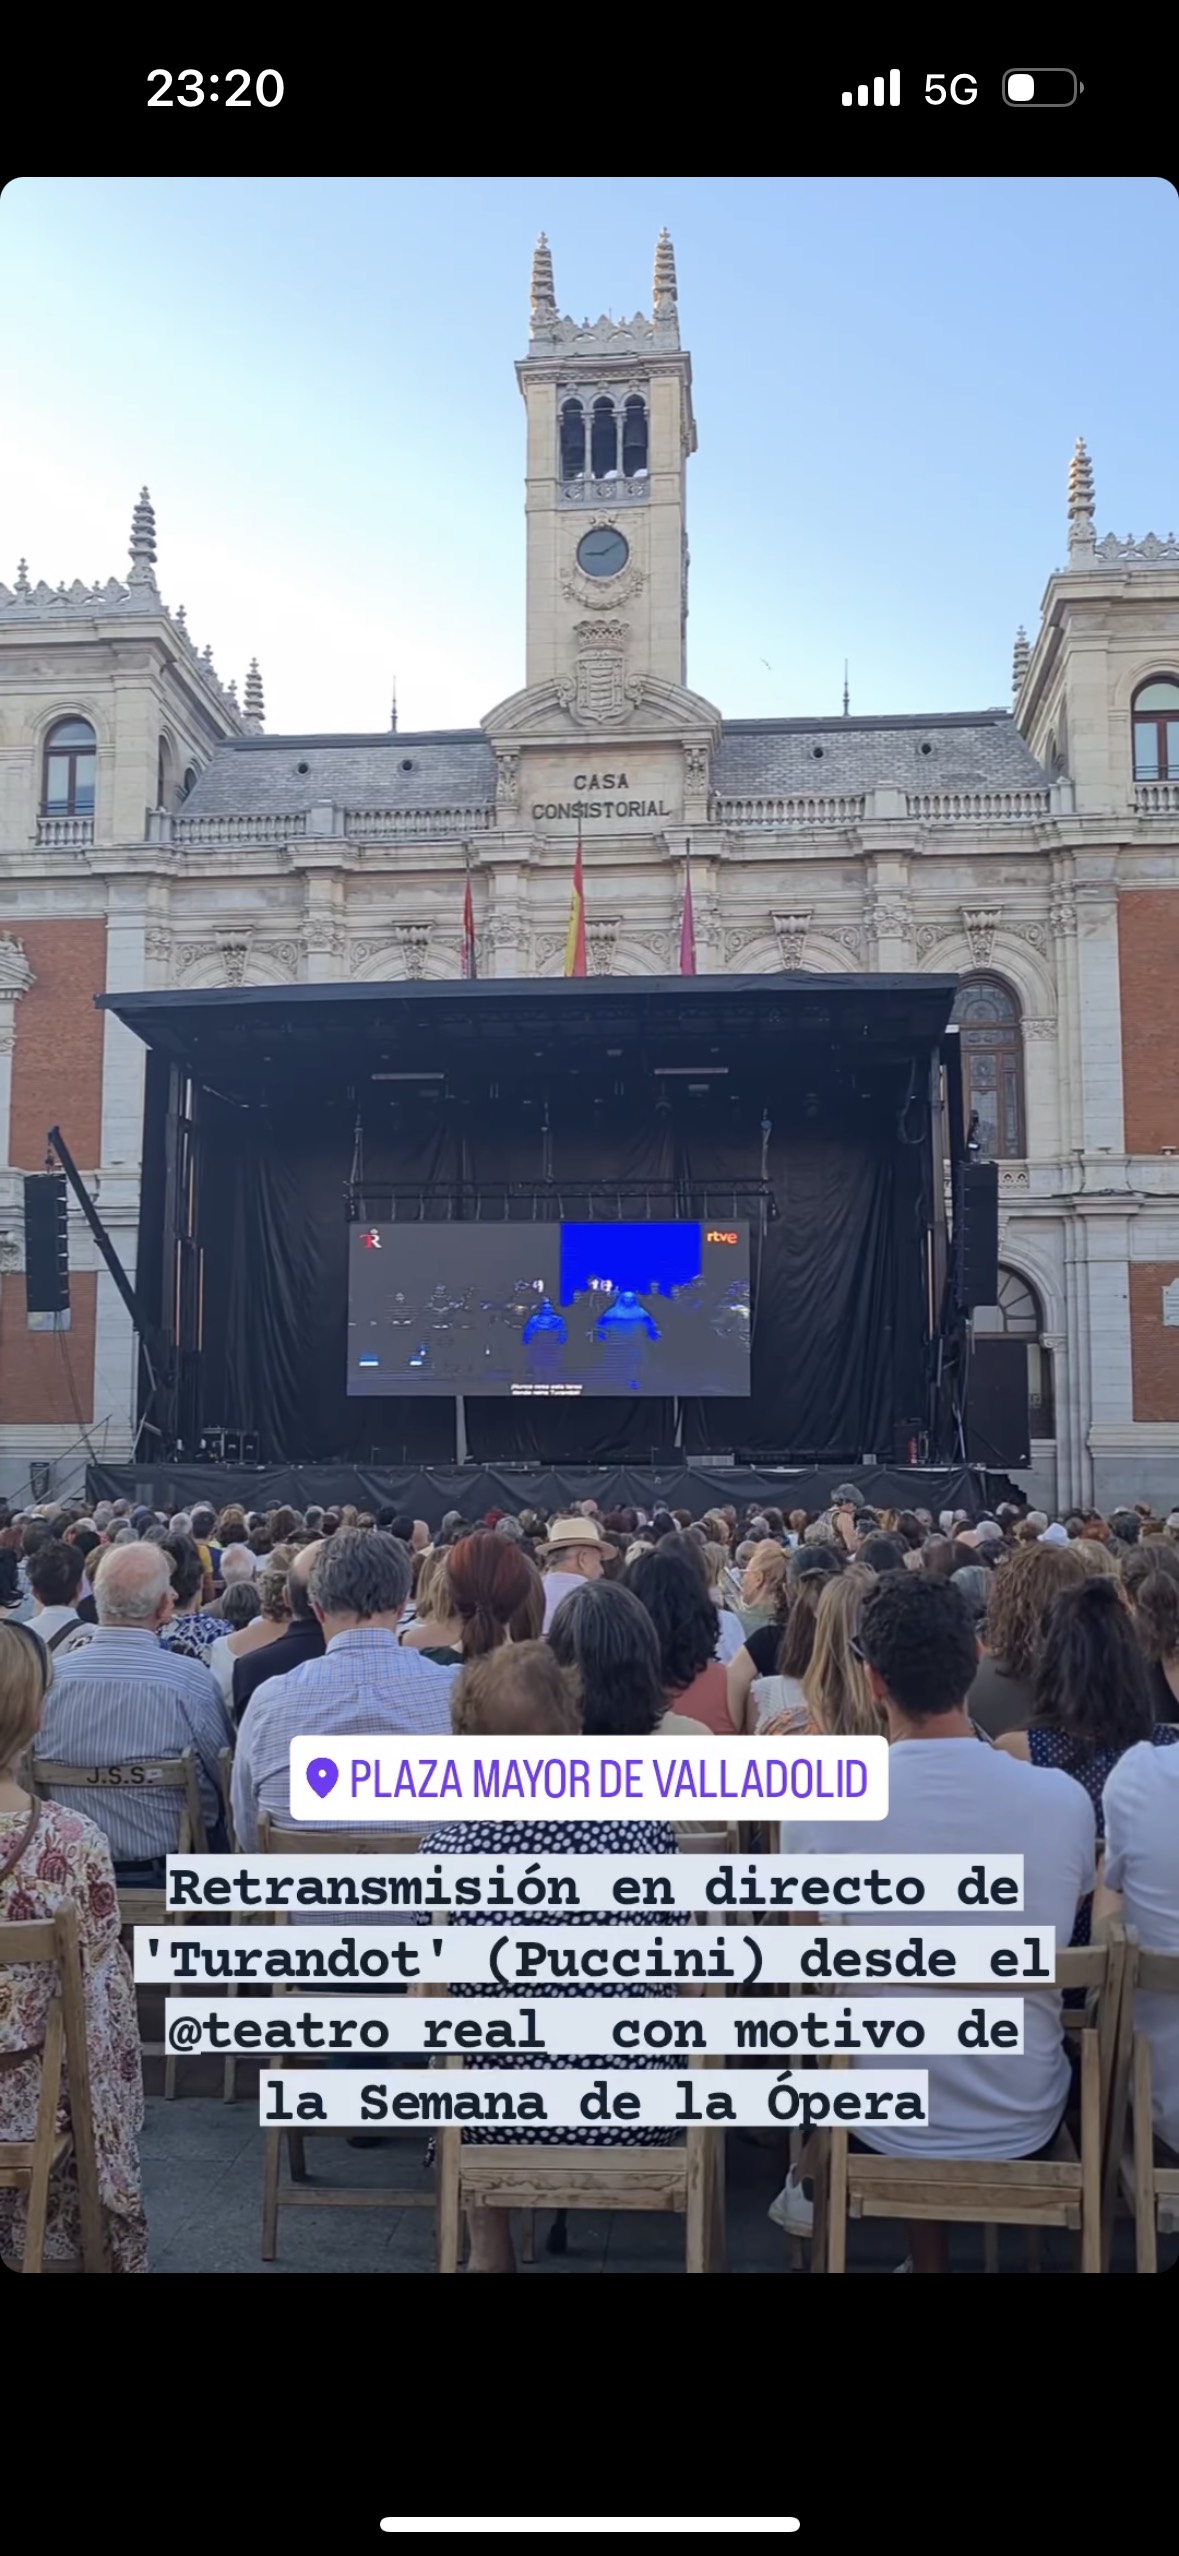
[[818, 1110]]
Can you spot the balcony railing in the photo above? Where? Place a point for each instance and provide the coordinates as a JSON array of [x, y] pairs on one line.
[[396, 825], [1156, 798], [64, 833], [804, 810], [219, 830], [978, 807]]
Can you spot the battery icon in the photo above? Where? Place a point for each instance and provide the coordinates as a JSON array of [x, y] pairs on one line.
[[1040, 88]]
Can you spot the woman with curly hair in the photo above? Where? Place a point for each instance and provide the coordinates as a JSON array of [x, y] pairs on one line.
[[675, 1594], [53, 1858], [1023, 1589], [1150, 1577]]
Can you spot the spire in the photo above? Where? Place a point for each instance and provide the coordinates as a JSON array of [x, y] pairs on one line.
[[393, 710], [255, 709], [544, 297], [1021, 658], [143, 543], [665, 284], [22, 578], [1081, 543], [231, 691], [846, 693]]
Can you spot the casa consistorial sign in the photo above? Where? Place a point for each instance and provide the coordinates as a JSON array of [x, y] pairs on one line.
[[635, 790]]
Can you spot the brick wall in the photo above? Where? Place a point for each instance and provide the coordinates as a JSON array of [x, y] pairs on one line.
[[36, 1366], [57, 1059], [1148, 955], [1154, 1346]]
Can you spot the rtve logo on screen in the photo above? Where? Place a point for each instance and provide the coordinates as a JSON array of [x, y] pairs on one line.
[[714, 1236]]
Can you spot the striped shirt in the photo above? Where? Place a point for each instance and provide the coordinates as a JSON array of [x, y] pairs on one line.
[[366, 1685], [122, 1698]]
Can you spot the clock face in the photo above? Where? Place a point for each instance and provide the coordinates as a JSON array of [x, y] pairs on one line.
[[603, 552]]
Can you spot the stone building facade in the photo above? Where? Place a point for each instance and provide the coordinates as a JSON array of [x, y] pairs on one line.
[[152, 833]]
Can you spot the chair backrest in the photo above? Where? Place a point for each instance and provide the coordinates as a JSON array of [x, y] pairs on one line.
[[273, 1840], [52, 1942], [136, 1775]]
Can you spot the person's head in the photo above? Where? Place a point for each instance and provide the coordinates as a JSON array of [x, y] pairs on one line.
[[715, 1558], [1154, 1596], [237, 1563], [714, 1523], [804, 1592], [1093, 1526], [1125, 1526], [575, 1545], [270, 1584], [397, 1522], [133, 1587], [973, 1581], [776, 1523], [433, 1601], [358, 1578], [910, 1530], [798, 1522], [491, 1583], [26, 1675], [518, 1691], [1090, 1677], [84, 1537], [673, 1589], [56, 1573], [821, 1532], [203, 1521], [880, 1553], [240, 1605], [764, 1580], [604, 1633], [920, 1649], [298, 1584], [839, 1698], [1098, 1561], [1021, 1591], [231, 1526], [188, 1570], [1073, 1525], [33, 1535]]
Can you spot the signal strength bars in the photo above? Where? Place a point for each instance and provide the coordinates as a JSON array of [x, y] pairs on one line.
[[872, 93]]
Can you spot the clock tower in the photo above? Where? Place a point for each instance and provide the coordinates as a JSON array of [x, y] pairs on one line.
[[610, 428]]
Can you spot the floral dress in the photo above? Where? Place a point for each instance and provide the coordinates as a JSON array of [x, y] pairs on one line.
[[67, 1861], [565, 1837]]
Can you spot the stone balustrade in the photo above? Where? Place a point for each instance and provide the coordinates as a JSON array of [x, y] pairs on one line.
[[64, 833], [1156, 798]]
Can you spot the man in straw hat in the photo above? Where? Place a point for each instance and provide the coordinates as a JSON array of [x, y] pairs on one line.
[[575, 1550]]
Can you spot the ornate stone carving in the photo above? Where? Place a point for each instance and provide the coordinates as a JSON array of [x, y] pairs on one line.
[[362, 953], [16, 975], [7, 1038], [545, 946], [158, 943], [851, 939], [603, 594], [889, 922], [980, 926], [696, 773], [284, 955], [234, 956], [601, 938], [791, 931], [742, 938], [1150, 552], [929, 934], [10, 1251], [1035, 935], [1062, 914], [601, 667], [412, 943], [1044, 1028], [321, 933], [192, 954], [507, 782]]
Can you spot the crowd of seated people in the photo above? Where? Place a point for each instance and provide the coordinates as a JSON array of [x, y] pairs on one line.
[[128, 1634]]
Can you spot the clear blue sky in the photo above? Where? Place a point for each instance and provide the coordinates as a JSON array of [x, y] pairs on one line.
[[315, 378]]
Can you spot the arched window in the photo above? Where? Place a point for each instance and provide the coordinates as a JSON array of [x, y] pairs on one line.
[[987, 1014], [1019, 1316], [604, 440], [1156, 730], [190, 781], [164, 775], [70, 759], [634, 438], [572, 440]]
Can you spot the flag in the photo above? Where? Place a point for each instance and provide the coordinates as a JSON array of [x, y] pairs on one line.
[[687, 927], [469, 969], [575, 939]]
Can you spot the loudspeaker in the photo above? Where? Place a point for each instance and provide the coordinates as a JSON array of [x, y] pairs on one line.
[[978, 1235], [231, 1447], [47, 1248], [998, 1432], [251, 1445]]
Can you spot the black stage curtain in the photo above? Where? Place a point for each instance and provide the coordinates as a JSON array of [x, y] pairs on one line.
[[429, 1491], [839, 1309]]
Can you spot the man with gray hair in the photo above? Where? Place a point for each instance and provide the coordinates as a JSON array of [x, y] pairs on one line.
[[122, 1699], [367, 1684]]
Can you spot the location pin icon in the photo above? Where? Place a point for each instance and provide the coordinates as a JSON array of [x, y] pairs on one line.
[[322, 1774]]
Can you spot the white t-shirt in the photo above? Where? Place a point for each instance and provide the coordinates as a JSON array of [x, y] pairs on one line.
[[731, 1635], [1142, 1861], [961, 1797], [558, 1585]]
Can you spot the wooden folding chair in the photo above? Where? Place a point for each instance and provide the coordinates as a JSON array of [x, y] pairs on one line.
[[297, 2192], [27, 2164], [1063, 2191], [141, 1907], [1145, 2172], [688, 2178]]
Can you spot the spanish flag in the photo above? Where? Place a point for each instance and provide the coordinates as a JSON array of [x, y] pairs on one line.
[[575, 939]]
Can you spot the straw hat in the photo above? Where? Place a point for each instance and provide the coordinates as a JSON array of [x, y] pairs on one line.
[[566, 1535]]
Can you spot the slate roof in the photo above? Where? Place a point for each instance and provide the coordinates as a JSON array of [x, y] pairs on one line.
[[455, 768], [968, 750], [259, 776]]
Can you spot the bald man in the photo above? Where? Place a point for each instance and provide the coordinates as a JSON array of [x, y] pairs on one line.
[[302, 1641]]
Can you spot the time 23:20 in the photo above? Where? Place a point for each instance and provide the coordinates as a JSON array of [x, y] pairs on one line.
[[198, 88]]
